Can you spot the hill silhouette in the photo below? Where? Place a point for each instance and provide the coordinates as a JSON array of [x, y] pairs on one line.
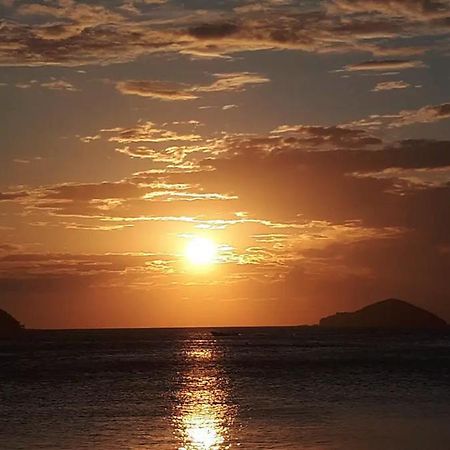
[[8, 325], [391, 313]]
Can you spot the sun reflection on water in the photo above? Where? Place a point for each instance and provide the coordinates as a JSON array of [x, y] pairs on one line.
[[204, 415], [202, 432]]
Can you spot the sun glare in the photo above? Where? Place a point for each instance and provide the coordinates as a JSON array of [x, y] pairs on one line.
[[201, 251]]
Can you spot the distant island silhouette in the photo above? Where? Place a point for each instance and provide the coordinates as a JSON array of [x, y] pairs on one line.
[[9, 326], [391, 313], [386, 314]]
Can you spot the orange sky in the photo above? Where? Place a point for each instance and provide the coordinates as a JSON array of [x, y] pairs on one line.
[[308, 141]]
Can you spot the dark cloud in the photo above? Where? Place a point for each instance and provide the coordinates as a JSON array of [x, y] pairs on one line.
[[9, 248], [48, 273], [325, 137], [327, 185], [90, 191], [426, 114], [348, 276], [321, 173], [11, 196], [421, 10], [148, 132], [73, 33], [213, 30]]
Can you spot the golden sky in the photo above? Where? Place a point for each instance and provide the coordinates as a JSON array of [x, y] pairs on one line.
[[208, 163]]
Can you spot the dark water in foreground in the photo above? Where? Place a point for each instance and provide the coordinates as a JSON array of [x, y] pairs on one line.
[[279, 388]]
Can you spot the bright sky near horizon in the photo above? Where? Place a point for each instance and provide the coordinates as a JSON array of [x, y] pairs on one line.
[[206, 162]]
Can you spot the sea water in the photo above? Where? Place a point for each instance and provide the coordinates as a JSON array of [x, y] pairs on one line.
[[249, 388]]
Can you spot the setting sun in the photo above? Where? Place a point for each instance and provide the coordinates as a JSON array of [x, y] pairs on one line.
[[201, 251]]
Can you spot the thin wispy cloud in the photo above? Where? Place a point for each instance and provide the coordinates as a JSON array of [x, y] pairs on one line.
[[224, 82]]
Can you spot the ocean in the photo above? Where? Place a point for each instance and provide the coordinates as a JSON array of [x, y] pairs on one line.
[[301, 388]]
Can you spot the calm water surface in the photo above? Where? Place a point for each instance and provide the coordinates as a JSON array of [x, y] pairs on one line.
[[266, 388]]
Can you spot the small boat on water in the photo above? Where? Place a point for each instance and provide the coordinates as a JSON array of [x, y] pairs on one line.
[[224, 333]]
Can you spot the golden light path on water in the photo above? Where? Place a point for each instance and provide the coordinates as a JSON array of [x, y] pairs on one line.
[[204, 416]]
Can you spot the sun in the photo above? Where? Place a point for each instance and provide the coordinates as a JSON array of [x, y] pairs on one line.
[[201, 251]]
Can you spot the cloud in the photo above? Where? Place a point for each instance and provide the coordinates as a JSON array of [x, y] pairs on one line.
[[141, 194], [320, 173], [26, 85], [147, 132], [89, 139], [72, 33], [329, 209], [217, 30], [353, 274], [80, 13], [89, 191], [9, 248], [231, 106], [383, 65], [415, 177], [325, 137], [178, 91], [232, 82], [59, 85], [173, 154], [53, 84], [156, 89], [390, 85], [420, 10], [47, 272], [327, 184], [175, 144], [426, 114], [11, 196]]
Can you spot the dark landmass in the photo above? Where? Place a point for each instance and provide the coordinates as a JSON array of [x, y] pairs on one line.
[[9, 327], [387, 314]]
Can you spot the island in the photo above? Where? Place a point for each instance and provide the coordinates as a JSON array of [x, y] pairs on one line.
[[386, 314], [9, 326]]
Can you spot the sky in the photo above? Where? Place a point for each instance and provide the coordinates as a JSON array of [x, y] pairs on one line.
[[304, 144]]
